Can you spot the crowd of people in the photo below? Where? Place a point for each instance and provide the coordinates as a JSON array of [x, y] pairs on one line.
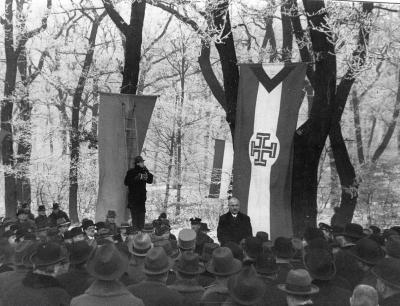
[[46, 261]]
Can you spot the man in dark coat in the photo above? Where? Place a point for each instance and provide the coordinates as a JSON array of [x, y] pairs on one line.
[[388, 284], [153, 291], [136, 180], [57, 214], [234, 225], [201, 237], [40, 287], [41, 220], [77, 279]]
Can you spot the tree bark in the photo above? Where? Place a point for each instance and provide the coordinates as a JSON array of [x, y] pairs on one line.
[[75, 132], [287, 32], [357, 126]]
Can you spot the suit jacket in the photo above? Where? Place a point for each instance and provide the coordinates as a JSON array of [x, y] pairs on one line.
[[230, 229], [137, 188]]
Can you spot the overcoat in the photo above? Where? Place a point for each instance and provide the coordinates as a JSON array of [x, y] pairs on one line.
[[233, 229]]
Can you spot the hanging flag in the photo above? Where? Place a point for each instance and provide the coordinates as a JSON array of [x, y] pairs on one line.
[[122, 128], [222, 169], [268, 105]]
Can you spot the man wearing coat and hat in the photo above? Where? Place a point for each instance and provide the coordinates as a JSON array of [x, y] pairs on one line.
[[106, 266], [201, 237], [187, 269], [154, 291], [136, 180], [41, 220], [57, 214], [40, 287]]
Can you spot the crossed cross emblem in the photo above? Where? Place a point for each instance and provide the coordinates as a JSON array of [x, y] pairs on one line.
[[261, 150]]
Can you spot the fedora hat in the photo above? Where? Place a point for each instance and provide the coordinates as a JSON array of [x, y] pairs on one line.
[[223, 263], [207, 251], [367, 251], [87, 223], [47, 254], [283, 248], [266, 263], [388, 271], [392, 246], [298, 282], [170, 247], [157, 262], [141, 245], [189, 264], [79, 252], [76, 231], [107, 263], [352, 230], [187, 239], [320, 264], [245, 288]]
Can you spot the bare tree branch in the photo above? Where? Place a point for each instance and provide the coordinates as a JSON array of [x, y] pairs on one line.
[[115, 17]]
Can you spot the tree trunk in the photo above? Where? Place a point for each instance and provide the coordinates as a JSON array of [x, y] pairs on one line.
[[75, 132], [287, 32], [357, 125]]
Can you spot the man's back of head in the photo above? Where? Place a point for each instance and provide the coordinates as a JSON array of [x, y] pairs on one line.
[[364, 295]]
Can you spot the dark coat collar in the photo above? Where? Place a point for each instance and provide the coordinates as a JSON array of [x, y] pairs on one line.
[[107, 288], [38, 281]]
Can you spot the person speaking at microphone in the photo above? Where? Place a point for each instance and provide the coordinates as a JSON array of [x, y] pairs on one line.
[[136, 179]]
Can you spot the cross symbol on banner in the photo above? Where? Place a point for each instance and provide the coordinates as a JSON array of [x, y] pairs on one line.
[[262, 149]]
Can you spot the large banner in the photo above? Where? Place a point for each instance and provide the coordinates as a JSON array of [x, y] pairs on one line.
[[268, 105], [222, 169], [122, 127]]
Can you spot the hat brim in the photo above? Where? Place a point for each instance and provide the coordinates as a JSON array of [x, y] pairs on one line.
[[117, 273], [352, 252], [171, 263], [200, 270], [40, 263], [349, 235], [313, 290], [236, 267]]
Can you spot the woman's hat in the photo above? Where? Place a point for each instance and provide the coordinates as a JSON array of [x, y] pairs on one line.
[[47, 254], [367, 251], [107, 263], [223, 263], [157, 262], [189, 264], [320, 264], [141, 245], [298, 282], [245, 287]]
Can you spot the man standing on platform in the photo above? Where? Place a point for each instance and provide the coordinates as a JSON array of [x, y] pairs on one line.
[[234, 225], [136, 180]]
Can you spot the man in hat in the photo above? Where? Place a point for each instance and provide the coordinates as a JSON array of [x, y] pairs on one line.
[[77, 234], [321, 267], [56, 214], [77, 279], [110, 222], [367, 253], [298, 288], [222, 265], [234, 225], [136, 180], [24, 223], [201, 237], [106, 266], [153, 291], [387, 272], [40, 287], [364, 295], [41, 220], [284, 251], [267, 270], [90, 231], [139, 247], [22, 253], [187, 269], [245, 288]]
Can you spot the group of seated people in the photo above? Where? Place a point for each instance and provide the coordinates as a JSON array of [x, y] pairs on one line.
[[51, 263]]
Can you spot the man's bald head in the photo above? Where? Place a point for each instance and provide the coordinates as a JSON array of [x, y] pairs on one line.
[[234, 205], [364, 295]]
